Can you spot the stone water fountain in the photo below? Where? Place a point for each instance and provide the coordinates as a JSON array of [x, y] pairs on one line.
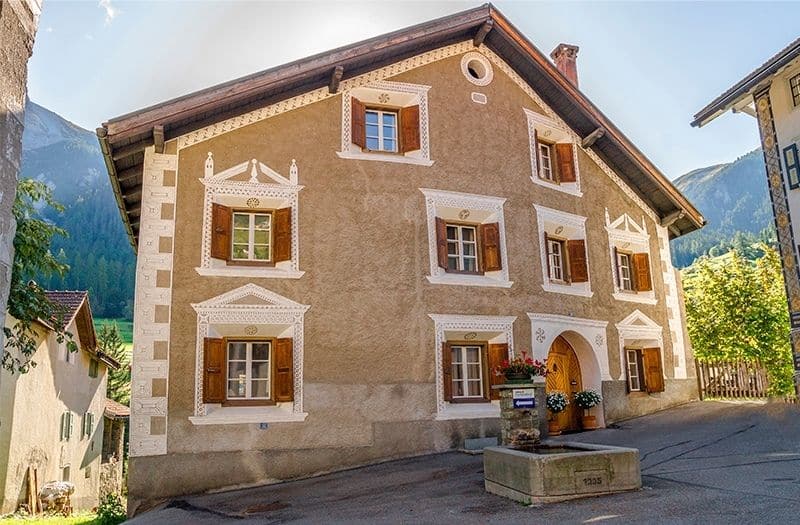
[[526, 469]]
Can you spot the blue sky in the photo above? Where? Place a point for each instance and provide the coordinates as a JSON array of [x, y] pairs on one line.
[[649, 66]]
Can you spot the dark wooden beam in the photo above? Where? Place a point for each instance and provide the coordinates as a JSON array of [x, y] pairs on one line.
[[131, 195], [336, 77], [670, 219], [131, 149], [589, 140], [158, 138], [128, 174], [480, 36]]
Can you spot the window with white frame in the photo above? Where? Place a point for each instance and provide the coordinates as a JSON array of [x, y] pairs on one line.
[[252, 236], [629, 243], [466, 236], [462, 248], [249, 370], [250, 222], [467, 371], [634, 370], [553, 154], [386, 121], [564, 262]]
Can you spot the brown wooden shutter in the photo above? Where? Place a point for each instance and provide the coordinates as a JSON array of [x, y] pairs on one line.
[[441, 242], [490, 247], [283, 235], [617, 274], [578, 270], [497, 354], [653, 373], [358, 118], [447, 372], [566, 162], [547, 255], [221, 225], [284, 370], [409, 129], [641, 267], [214, 370], [537, 154]]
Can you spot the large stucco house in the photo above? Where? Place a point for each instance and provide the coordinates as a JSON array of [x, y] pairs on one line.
[[334, 253], [51, 418], [771, 94]]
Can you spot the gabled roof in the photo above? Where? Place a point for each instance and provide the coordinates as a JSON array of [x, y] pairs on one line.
[[69, 302], [746, 87], [114, 410], [124, 139]]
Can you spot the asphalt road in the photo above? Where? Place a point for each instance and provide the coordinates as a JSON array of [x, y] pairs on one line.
[[707, 462]]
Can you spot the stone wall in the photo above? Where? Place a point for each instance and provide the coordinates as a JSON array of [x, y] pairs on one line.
[[18, 22]]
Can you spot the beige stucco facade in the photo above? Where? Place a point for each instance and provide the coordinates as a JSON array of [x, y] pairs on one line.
[[32, 406], [369, 343]]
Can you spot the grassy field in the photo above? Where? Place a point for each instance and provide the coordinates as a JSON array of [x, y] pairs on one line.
[[81, 518], [125, 329]]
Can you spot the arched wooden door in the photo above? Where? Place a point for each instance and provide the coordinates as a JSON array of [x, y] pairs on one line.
[[564, 374]]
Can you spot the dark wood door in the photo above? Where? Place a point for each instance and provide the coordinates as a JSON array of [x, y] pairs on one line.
[[564, 374]]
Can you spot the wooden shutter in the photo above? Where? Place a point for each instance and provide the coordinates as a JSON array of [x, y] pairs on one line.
[[409, 129], [547, 256], [284, 369], [497, 354], [447, 372], [537, 155], [70, 425], [214, 370], [653, 372], [566, 162], [221, 225], [641, 269], [578, 270], [490, 247], [63, 434], [617, 274], [358, 118], [283, 235], [441, 242]]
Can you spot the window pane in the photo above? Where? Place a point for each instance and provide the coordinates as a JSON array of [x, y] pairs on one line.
[[372, 143], [470, 265], [467, 234], [372, 131], [473, 355], [260, 351], [475, 389], [474, 371], [236, 388], [259, 388], [389, 133], [237, 369], [452, 248], [452, 263], [260, 237], [469, 249], [452, 233], [239, 251], [458, 389], [261, 253], [241, 220], [389, 119], [457, 371], [372, 117], [388, 145], [241, 236], [237, 351], [260, 370]]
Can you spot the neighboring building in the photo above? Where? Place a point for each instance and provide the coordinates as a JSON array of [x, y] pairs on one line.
[[115, 418], [771, 94], [51, 418], [18, 22], [333, 254]]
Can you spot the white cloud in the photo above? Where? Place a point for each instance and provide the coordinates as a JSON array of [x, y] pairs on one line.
[[88, 36], [111, 11], [49, 30]]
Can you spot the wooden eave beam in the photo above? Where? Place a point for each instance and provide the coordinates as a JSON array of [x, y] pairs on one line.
[[336, 77], [129, 196], [131, 149], [129, 174], [483, 31], [589, 140], [158, 138]]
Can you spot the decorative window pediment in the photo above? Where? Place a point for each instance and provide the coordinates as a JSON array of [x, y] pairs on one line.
[[251, 312], [629, 244], [250, 187], [554, 154], [637, 332], [562, 245]]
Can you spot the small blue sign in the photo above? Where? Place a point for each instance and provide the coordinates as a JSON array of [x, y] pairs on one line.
[[263, 426], [525, 403]]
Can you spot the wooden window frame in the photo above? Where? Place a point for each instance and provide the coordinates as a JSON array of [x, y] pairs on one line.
[[551, 157], [562, 242], [794, 89], [637, 363], [249, 401], [478, 247], [380, 110], [249, 262], [485, 382], [629, 256]]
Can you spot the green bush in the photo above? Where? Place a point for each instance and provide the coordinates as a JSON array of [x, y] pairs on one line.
[[111, 511]]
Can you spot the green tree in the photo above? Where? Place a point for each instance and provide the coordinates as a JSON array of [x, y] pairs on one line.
[[27, 301], [119, 381], [736, 309]]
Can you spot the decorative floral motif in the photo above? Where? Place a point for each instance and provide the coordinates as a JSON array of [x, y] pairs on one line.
[[384, 98], [250, 330], [252, 202], [598, 340], [540, 335]]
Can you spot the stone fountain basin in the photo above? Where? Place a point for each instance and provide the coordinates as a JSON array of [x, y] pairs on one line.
[[558, 471]]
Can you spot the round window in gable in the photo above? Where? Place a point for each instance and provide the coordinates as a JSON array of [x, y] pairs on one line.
[[476, 68]]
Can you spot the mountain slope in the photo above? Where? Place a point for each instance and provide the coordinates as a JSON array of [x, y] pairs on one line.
[[68, 159], [733, 198]]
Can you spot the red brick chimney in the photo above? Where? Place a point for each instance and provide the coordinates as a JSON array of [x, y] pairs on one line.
[[565, 55]]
